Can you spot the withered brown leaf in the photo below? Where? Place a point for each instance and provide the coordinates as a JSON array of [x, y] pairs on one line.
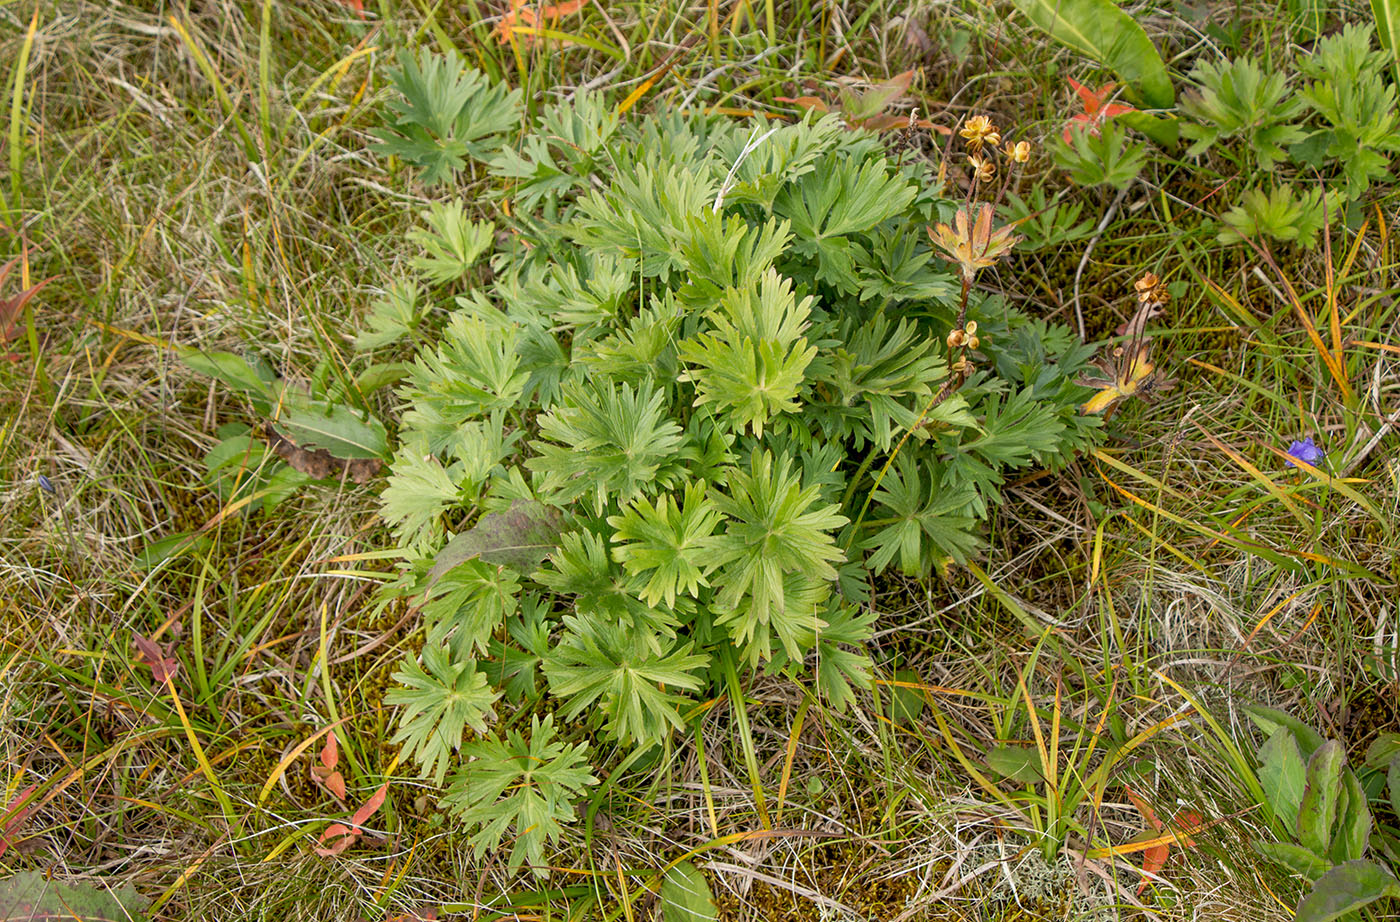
[[319, 463]]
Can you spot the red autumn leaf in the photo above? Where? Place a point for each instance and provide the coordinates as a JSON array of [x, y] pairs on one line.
[[11, 307], [325, 773], [341, 836], [163, 666], [1096, 109], [14, 816], [525, 16], [1155, 857]]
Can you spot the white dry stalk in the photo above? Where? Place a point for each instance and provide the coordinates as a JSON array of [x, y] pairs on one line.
[[749, 148]]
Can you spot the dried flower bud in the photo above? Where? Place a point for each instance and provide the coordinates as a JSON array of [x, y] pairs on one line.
[[1021, 152], [973, 342], [979, 130], [972, 328], [1150, 290], [983, 168], [955, 339]]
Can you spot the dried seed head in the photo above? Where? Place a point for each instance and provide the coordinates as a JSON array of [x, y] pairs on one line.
[[979, 130]]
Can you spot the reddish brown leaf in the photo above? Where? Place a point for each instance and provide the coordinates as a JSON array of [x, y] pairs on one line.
[[325, 773], [523, 15], [340, 836], [319, 464], [1096, 112], [163, 666], [1155, 857], [14, 816]]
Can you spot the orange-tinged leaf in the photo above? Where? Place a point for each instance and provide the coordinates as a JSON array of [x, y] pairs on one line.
[[1156, 849], [340, 836], [330, 753], [525, 16], [14, 816], [1096, 109], [326, 772]]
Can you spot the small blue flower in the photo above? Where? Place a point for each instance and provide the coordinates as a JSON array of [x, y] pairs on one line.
[[1304, 451], [45, 484]]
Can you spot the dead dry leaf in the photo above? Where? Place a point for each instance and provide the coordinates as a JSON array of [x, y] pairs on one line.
[[163, 666], [319, 464]]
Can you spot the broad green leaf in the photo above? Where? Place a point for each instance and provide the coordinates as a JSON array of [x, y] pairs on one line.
[[519, 538], [1353, 822], [1294, 857], [30, 896], [906, 704], [1382, 752], [1318, 808], [1268, 719], [1392, 780], [228, 369], [685, 895], [1346, 888], [1283, 774], [1100, 30], [165, 549], [336, 429], [1019, 763]]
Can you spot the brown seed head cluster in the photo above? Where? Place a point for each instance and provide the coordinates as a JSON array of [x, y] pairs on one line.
[[978, 131], [1150, 290]]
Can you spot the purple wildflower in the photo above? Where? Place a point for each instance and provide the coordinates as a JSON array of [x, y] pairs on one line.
[[1305, 451]]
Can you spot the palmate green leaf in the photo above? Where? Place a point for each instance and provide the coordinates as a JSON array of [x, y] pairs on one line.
[[865, 389], [582, 568], [468, 604], [521, 786], [725, 252], [1107, 158], [451, 242], [752, 366], [605, 443], [446, 113], [592, 294], [843, 196], [610, 668], [1103, 32], [776, 530], [420, 489], [668, 544], [1238, 100], [922, 520], [841, 669], [474, 370], [440, 699], [646, 214]]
